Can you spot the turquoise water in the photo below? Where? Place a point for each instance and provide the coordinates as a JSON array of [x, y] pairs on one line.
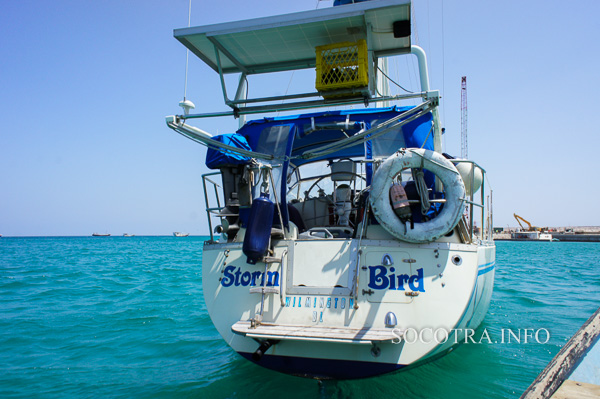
[[117, 317]]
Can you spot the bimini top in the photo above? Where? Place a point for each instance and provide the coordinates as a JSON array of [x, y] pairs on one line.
[[287, 42]]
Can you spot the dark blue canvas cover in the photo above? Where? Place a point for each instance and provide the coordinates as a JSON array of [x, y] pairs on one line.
[[415, 133], [216, 159]]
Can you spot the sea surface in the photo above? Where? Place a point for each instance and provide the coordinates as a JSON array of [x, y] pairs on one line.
[[124, 317]]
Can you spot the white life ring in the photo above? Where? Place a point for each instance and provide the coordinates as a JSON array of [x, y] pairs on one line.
[[454, 190]]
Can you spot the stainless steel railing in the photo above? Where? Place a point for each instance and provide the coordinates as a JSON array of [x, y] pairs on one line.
[[212, 210]]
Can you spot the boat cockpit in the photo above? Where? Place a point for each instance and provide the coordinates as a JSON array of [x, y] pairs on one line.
[[328, 174]]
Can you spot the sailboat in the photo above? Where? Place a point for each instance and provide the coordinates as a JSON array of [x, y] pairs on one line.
[[342, 238]]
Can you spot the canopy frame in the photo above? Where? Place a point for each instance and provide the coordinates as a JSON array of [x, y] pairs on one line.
[[287, 42]]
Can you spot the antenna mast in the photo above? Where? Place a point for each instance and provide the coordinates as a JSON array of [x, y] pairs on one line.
[[464, 147], [185, 103]]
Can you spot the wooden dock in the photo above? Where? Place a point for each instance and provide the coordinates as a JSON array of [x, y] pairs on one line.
[[577, 390], [578, 360]]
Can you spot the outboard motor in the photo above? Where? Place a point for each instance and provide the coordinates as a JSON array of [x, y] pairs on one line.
[[258, 232]]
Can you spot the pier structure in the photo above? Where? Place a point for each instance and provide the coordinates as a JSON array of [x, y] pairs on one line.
[[567, 234], [575, 370]]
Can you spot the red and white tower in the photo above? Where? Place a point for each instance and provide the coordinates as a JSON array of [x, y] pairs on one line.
[[464, 147]]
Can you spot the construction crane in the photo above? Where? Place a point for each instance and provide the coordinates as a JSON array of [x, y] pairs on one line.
[[529, 226], [464, 148]]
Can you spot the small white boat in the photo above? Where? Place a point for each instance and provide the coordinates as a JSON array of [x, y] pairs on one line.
[[180, 234], [531, 236], [344, 248]]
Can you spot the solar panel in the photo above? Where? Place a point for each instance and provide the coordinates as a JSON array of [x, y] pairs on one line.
[[288, 42]]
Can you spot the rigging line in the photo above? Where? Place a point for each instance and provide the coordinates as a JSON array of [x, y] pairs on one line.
[[429, 50], [411, 72], [287, 89], [413, 25], [443, 79], [443, 65], [428, 134], [390, 79], [187, 53]]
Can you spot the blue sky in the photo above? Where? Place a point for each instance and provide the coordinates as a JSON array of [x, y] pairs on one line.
[[85, 87]]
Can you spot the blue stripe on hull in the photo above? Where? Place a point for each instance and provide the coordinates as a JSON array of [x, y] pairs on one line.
[[488, 267], [323, 368]]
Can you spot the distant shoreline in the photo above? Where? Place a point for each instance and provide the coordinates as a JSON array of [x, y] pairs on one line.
[[99, 237], [570, 237]]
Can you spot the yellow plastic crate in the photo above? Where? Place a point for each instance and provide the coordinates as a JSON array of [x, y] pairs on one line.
[[342, 66]]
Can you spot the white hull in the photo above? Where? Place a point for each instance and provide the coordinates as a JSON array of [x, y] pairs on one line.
[[317, 279]]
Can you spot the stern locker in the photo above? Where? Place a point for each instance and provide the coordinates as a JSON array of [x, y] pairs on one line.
[[321, 263], [304, 275]]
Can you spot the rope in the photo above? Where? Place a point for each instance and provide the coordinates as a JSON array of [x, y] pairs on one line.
[[394, 82], [419, 178], [428, 134]]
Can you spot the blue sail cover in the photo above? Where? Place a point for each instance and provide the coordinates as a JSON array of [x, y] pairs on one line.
[[416, 134], [216, 159]]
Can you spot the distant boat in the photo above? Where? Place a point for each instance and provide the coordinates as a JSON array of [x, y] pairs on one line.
[[531, 236], [100, 235], [128, 235], [180, 234]]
